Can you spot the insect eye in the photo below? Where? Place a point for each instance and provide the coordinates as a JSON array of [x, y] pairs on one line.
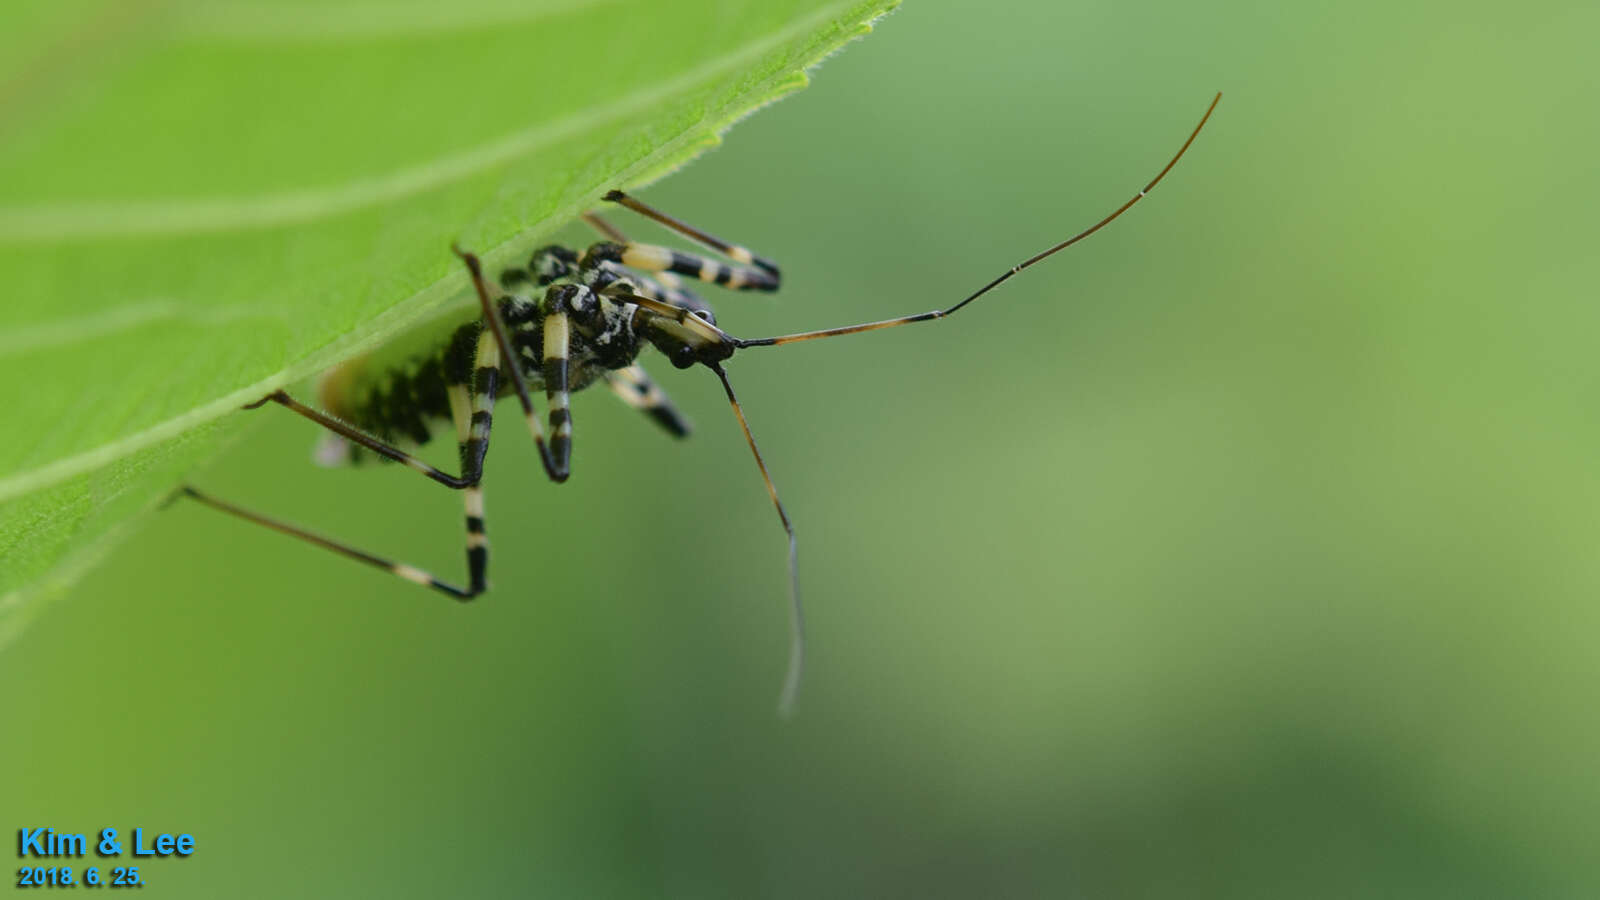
[[682, 356], [707, 315]]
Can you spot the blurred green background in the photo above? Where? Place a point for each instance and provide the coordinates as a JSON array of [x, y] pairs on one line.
[[1247, 550]]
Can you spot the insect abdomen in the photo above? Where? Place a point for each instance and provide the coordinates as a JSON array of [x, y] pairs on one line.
[[397, 401]]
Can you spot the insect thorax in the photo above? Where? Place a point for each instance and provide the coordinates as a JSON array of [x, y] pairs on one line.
[[402, 394], [602, 330]]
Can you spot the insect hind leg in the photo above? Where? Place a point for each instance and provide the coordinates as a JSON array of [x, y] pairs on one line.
[[471, 388], [410, 573], [469, 475]]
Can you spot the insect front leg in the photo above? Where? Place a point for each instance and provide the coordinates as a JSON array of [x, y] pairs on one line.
[[752, 273], [655, 258], [663, 286], [738, 254]]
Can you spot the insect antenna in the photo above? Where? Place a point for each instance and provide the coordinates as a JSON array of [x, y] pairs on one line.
[[797, 619], [1036, 258]]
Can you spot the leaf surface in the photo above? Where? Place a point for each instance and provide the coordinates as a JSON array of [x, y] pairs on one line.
[[202, 202]]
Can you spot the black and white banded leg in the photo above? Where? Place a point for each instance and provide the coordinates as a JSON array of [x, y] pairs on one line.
[[632, 384], [470, 471], [750, 272], [557, 347], [519, 384], [656, 258], [664, 286], [639, 391], [473, 438], [472, 410], [735, 252]]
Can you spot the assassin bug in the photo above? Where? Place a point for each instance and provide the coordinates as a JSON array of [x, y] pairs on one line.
[[564, 322]]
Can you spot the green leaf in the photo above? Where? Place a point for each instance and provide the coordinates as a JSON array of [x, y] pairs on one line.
[[202, 202]]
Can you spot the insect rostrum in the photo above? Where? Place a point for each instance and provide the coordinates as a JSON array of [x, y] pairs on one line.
[[567, 320]]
